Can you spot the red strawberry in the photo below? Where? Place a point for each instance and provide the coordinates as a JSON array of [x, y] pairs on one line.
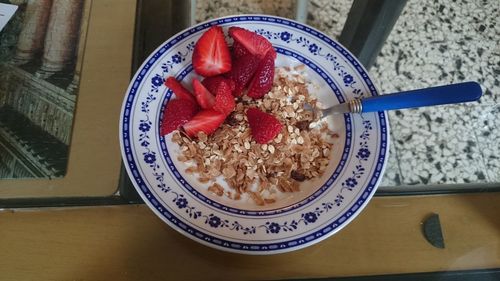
[[205, 121], [178, 89], [265, 127], [224, 100], [212, 83], [242, 72], [203, 96], [251, 41], [177, 113], [211, 54], [239, 50], [222, 88], [262, 81]]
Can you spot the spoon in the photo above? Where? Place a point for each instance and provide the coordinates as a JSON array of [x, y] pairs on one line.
[[448, 94]]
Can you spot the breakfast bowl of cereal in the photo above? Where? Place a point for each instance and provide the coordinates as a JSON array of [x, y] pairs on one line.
[[222, 135]]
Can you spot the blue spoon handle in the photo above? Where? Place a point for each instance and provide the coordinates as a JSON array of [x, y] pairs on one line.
[[454, 93]]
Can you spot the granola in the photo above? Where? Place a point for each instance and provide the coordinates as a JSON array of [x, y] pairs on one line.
[[299, 153]]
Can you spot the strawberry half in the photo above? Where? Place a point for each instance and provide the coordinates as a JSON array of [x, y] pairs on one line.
[[206, 121], [262, 81], [178, 89], [251, 41], [214, 82], [242, 72], [205, 99], [265, 127], [177, 113], [211, 54]]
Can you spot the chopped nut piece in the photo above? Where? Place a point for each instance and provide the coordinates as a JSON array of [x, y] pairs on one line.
[[237, 196], [269, 201], [203, 180], [228, 172], [217, 189], [256, 197], [190, 170]]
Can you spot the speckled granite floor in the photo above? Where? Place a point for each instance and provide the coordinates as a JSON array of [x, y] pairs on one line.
[[433, 43]]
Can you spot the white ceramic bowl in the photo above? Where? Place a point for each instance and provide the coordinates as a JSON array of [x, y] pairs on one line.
[[323, 206]]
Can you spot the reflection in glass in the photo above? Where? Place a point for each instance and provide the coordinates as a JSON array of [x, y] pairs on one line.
[[38, 86]]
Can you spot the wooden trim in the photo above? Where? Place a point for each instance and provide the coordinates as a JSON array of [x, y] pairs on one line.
[[130, 243], [94, 160]]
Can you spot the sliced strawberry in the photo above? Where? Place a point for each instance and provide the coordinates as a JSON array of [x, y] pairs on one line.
[[203, 96], [178, 89], [265, 127], [211, 54], [251, 41], [224, 100], [222, 88], [242, 72], [177, 113], [212, 83], [206, 121], [262, 81], [238, 50]]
